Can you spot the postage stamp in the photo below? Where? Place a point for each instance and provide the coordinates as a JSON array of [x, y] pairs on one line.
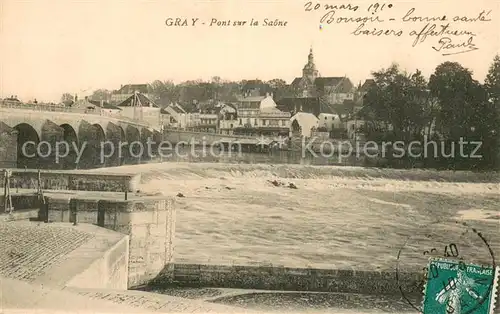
[[456, 287]]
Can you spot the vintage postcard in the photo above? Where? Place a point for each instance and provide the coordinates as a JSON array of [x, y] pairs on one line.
[[243, 156]]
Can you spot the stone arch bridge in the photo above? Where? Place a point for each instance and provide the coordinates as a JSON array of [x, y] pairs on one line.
[[63, 140]]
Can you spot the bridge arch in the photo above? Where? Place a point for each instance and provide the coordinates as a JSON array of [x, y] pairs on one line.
[[115, 136], [27, 144], [70, 137], [157, 138], [51, 146], [91, 137], [147, 136], [134, 148]]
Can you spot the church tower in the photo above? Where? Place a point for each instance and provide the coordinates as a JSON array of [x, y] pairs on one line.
[[309, 71]]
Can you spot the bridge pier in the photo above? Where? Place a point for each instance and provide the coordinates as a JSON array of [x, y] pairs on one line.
[[134, 148], [8, 146]]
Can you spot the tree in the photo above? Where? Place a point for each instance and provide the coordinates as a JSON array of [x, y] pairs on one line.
[[164, 92], [398, 100], [101, 94], [492, 81], [67, 97], [491, 116], [279, 87], [453, 87], [466, 113]]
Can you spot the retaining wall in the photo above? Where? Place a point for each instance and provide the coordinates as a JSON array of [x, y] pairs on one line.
[[286, 279], [108, 272], [150, 224], [72, 180], [20, 201], [187, 137]]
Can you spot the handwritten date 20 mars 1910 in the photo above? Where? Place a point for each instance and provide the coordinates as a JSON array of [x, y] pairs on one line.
[[451, 39]]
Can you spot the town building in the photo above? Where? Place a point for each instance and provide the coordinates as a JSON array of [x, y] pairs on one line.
[[303, 124], [140, 108], [228, 119], [259, 115], [333, 90], [128, 90], [255, 88], [313, 105], [361, 92], [329, 121], [105, 108], [173, 116]]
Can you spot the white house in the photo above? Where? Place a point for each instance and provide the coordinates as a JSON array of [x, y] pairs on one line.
[[302, 123], [228, 119], [260, 115], [174, 116]]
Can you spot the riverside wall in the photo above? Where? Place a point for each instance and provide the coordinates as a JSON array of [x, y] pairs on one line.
[[72, 180], [108, 271], [149, 223], [287, 279]]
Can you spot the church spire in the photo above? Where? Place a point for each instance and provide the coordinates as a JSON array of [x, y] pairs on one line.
[[309, 69]]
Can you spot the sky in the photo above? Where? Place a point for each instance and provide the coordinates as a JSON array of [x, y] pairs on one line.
[[49, 47]]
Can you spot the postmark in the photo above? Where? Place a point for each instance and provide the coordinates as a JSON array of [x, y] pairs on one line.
[[452, 242], [456, 287]]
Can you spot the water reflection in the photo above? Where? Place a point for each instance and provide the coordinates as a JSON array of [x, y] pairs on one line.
[[189, 154]]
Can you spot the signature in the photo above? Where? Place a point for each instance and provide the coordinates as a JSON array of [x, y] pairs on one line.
[[446, 44]]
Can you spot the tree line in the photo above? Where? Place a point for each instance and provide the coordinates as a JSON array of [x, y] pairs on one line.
[[448, 107], [166, 92]]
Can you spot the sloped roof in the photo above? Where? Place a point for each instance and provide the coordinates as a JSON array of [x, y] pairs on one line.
[[321, 82], [252, 98], [143, 100], [131, 88], [329, 81], [308, 101], [305, 120], [296, 81], [366, 85], [172, 107], [180, 108], [256, 84]]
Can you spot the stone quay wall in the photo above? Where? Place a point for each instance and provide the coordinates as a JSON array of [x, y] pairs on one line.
[[110, 271], [149, 222], [286, 279], [72, 180], [21, 201], [179, 136]]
